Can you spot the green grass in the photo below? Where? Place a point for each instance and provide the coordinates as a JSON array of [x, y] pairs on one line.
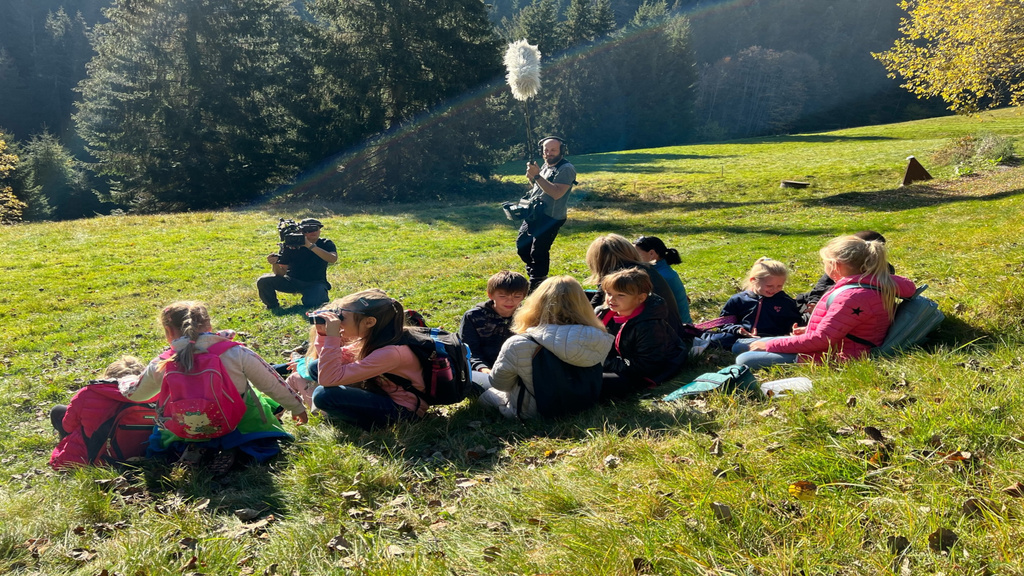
[[544, 499]]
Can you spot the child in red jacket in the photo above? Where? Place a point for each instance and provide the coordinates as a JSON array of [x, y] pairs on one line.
[[853, 322]]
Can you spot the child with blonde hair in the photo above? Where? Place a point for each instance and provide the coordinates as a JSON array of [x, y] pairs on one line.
[[557, 316], [863, 303], [761, 309], [188, 329]]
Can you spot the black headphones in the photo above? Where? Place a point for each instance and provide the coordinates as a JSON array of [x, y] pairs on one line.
[[563, 149]]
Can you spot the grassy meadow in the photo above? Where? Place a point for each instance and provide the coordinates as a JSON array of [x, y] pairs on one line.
[[636, 487]]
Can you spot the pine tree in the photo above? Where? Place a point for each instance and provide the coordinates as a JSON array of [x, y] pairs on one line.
[[191, 103], [407, 56], [602, 20], [52, 172], [538, 23], [578, 26], [397, 61]]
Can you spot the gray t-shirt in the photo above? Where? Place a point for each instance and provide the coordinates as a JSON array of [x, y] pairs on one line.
[[561, 173]]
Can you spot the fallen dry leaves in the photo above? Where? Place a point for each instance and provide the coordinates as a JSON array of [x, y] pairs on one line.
[[803, 490]]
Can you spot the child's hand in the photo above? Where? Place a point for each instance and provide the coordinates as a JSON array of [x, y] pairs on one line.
[[748, 333], [798, 330], [300, 418], [332, 325], [484, 370], [758, 346]]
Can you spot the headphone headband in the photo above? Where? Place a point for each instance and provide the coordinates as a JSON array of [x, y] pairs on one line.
[[563, 148]]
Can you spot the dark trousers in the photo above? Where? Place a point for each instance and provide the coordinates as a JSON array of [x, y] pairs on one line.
[[268, 285], [57, 419], [358, 407], [534, 246]]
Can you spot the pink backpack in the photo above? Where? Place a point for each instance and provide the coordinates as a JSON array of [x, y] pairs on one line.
[[203, 403]]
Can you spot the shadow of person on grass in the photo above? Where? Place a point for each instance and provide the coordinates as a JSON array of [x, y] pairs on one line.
[[247, 485], [474, 439]]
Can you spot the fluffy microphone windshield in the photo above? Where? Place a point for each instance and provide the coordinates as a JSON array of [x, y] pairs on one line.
[[522, 61]]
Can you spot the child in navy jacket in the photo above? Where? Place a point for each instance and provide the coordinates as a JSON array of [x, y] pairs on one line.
[[486, 326], [761, 309]]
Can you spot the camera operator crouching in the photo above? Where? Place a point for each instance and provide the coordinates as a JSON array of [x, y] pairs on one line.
[[300, 266]]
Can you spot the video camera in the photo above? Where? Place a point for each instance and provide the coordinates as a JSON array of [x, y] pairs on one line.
[[290, 233], [525, 209]]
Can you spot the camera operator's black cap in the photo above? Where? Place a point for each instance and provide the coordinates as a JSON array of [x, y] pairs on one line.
[[310, 222]]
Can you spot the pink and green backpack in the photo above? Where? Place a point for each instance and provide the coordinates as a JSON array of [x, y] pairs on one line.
[[202, 403]]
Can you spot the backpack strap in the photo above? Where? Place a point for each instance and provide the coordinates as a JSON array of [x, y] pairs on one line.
[[522, 385], [223, 346], [832, 296], [405, 383]]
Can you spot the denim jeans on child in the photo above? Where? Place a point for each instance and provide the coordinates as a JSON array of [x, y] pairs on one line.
[[358, 407]]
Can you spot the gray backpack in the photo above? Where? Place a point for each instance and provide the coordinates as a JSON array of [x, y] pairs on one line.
[[916, 317]]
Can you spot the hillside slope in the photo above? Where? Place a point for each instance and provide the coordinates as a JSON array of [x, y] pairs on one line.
[[637, 487]]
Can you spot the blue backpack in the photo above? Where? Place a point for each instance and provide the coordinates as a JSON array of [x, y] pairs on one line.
[[916, 317]]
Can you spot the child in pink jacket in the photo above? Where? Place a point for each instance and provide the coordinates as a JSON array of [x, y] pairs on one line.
[[856, 320]]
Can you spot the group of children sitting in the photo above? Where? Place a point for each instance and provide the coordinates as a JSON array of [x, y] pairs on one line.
[[360, 370]]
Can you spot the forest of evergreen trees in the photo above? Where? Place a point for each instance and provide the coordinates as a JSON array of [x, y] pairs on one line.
[[186, 104]]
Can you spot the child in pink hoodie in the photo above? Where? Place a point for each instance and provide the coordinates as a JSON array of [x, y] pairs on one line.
[[855, 320], [356, 341]]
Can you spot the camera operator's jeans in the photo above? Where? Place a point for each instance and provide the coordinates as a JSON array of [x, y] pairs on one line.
[[268, 285], [534, 246]]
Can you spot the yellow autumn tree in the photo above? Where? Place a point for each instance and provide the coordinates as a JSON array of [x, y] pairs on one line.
[[11, 208], [970, 53]]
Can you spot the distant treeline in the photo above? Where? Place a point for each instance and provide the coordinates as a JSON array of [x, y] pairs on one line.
[[183, 104]]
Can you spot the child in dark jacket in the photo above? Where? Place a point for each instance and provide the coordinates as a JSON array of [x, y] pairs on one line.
[[486, 326], [761, 309], [647, 350]]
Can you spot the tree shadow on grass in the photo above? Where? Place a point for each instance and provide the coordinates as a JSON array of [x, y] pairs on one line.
[[824, 138], [902, 198], [643, 162], [597, 227]]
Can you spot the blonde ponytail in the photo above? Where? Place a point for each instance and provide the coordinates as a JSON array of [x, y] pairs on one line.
[[763, 268], [867, 258], [877, 264]]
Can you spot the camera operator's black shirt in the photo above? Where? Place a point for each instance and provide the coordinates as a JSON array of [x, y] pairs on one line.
[[303, 264]]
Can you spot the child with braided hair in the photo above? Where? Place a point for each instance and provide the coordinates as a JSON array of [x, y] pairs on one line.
[[188, 329]]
